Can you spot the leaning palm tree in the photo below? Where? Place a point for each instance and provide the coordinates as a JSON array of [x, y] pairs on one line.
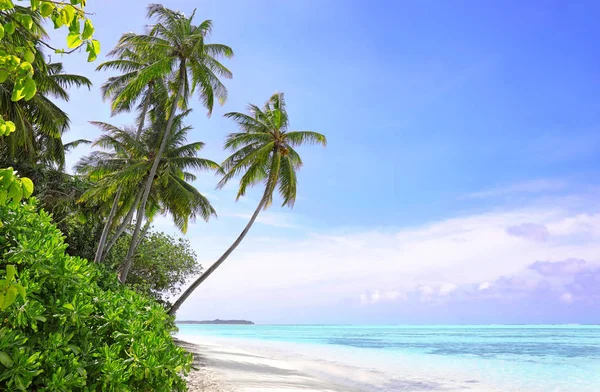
[[264, 153], [178, 54]]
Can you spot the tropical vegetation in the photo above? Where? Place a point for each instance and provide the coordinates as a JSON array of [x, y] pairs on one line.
[[86, 284]]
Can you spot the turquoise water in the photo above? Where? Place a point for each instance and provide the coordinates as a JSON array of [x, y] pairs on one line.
[[527, 358]]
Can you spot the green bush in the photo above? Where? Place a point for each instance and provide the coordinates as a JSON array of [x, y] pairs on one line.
[[77, 329], [161, 266]]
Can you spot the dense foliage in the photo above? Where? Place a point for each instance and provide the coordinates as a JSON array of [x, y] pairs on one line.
[[67, 324], [77, 328], [161, 266]]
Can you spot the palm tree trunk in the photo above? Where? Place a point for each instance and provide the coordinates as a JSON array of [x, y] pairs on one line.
[[143, 233], [216, 265], [106, 229], [140, 215], [126, 221], [102, 250]]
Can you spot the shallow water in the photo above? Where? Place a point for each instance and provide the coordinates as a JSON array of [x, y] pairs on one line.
[[515, 358]]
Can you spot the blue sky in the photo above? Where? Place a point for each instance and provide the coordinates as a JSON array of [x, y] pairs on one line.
[[463, 144]]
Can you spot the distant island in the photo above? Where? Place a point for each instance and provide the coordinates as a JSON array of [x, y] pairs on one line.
[[217, 321]]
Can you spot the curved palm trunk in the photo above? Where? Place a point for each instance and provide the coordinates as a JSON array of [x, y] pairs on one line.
[[106, 229], [102, 247], [216, 265], [140, 214], [126, 222]]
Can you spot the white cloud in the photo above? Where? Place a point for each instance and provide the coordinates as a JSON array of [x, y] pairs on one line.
[[526, 187], [275, 268], [567, 297], [378, 296], [447, 288]]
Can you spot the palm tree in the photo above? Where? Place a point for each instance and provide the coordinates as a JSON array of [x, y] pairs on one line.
[[264, 153], [179, 54], [127, 163], [130, 63]]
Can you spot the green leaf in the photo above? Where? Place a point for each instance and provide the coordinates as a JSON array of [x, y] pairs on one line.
[[11, 272], [29, 56], [9, 28], [21, 290], [6, 360], [25, 20], [93, 48], [67, 14], [88, 30], [18, 91], [57, 19], [3, 75], [3, 195], [1, 31], [74, 40], [30, 89], [14, 190], [46, 9], [27, 187], [19, 382], [35, 4], [6, 5], [9, 298], [69, 306]]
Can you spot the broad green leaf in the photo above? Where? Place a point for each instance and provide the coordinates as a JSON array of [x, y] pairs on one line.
[[6, 5], [10, 296], [3, 195], [9, 28], [29, 56], [35, 4], [25, 20], [67, 14], [88, 30], [6, 360], [11, 272], [93, 48], [21, 290], [46, 9], [27, 187], [10, 127], [74, 40], [19, 382], [14, 190], [1, 31], [30, 89], [57, 19]]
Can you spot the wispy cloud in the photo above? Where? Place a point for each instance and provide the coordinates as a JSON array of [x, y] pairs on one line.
[[526, 187], [488, 255]]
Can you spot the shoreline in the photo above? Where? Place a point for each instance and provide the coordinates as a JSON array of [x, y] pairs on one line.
[[224, 368], [225, 365]]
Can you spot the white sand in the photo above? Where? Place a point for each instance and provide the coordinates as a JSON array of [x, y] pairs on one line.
[[235, 366], [227, 369]]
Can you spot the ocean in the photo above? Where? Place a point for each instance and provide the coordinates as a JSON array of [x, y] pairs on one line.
[[536, 358]]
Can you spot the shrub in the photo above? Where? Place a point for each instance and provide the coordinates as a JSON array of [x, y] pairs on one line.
[[77, 328], [161, 266]]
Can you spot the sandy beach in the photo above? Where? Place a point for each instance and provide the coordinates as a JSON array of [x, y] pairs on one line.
[[221, 368], [226, 366]]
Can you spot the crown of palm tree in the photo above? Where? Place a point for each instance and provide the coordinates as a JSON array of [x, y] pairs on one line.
[[126, 162], [173, 44], [264, 150]]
